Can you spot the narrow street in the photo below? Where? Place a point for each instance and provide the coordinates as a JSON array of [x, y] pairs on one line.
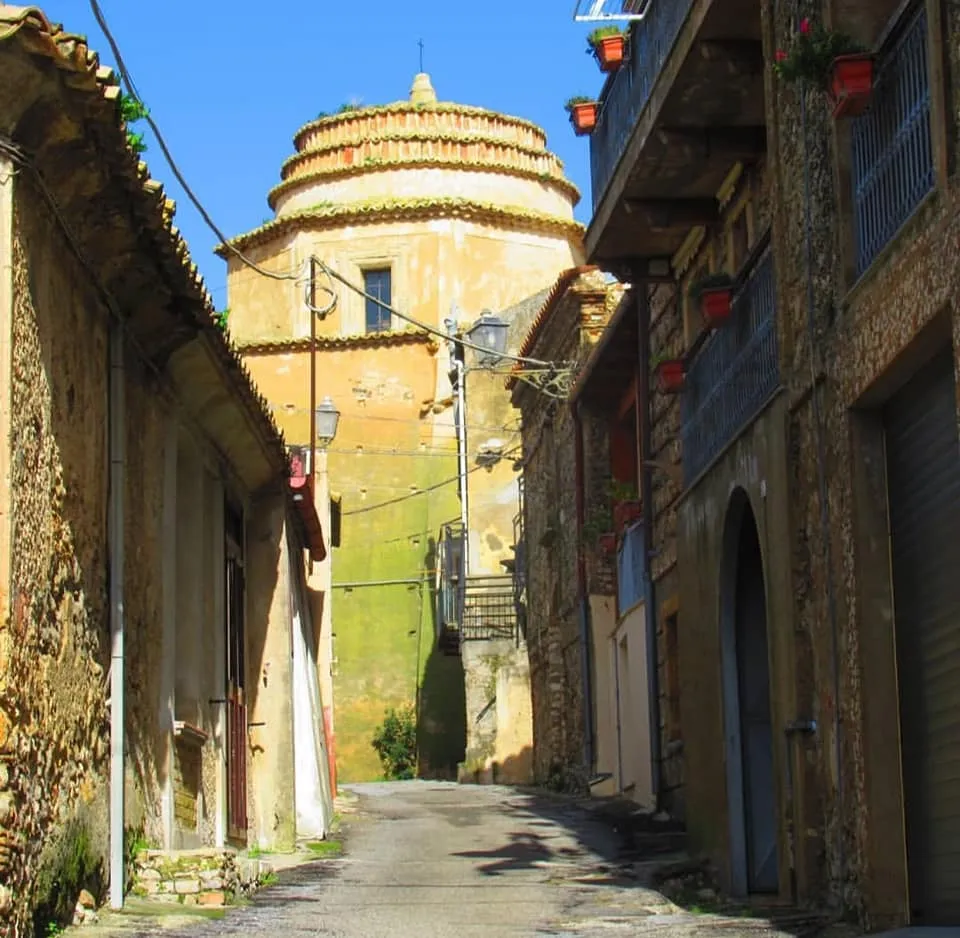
[[426, 859]]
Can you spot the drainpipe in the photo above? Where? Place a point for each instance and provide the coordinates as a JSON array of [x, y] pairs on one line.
[[116, 420], [640, 288], [462, 459], [586, 625]]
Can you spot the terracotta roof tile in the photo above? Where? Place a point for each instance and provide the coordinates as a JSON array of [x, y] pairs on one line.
[[395, 337], [378, 211], [78, 67]]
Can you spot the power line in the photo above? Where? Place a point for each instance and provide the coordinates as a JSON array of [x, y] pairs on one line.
[[433, 330], [494, 428], [127, 80]]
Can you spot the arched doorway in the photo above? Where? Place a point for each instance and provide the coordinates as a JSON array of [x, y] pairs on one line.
[[748, 724]]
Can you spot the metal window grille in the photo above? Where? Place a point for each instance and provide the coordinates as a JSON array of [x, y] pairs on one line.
[[892, 146], [734, 375]]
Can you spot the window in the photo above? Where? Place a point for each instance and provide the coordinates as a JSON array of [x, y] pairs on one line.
[[376, 283]]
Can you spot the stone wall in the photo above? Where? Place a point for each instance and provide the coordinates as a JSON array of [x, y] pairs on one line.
[[864, 334], [54, 646], [551, 532]]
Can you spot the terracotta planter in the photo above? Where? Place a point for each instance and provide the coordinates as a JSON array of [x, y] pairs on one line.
[[715, 304], [851, 84], [609, 52], [584, 118], [671, 376], [607, 544], [625, 513]]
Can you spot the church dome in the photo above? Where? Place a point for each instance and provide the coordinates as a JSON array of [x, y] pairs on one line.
[[423, 149]]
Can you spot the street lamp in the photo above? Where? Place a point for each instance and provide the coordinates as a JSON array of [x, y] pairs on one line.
[[327, 419], [489, 332]]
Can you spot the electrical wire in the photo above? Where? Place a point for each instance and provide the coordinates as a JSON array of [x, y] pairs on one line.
[[489, 428], [330, 273], [426, 490], [433, 330], [21, 159], [131, 87]]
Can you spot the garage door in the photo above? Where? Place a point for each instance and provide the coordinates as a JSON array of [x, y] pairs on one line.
[[923, 466]]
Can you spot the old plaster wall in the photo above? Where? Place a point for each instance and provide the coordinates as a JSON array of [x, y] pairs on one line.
[[394, 465], [435, 263], [269, 617], [755, 464], [498, 711], [148, 738]]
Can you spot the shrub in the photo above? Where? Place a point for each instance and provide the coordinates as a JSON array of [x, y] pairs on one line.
[[395, 741]]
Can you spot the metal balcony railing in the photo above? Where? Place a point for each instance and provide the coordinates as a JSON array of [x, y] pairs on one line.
[[734, 374], [892, 146], [627, 92], [489, 609], [630, 568]]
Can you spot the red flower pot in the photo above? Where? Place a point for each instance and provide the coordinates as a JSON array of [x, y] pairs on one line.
[[670, 376], [607, 544], [584, 118], [851, 84], [625, 513], [609, 53], [715, 306]]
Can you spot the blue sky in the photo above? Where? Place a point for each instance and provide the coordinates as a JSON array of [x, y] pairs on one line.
[[230, 81]]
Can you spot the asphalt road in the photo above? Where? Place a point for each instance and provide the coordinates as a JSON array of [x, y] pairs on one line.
[[437, 860]]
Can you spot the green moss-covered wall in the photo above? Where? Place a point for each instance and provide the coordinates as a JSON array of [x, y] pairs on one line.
[[385, 635]]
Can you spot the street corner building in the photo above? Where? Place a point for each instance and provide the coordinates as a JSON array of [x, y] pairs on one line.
[[158, 676], [788, 340]]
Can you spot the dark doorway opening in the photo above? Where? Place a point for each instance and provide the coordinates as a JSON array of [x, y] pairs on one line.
[[749, 726]]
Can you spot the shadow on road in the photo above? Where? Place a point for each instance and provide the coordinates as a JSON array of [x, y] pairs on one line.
[[629, 849]]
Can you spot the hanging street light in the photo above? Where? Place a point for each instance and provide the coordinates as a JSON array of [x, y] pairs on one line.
[[489, 332], [327, 419]]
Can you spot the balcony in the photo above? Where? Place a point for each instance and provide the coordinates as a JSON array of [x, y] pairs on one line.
[[892, 156], [686, 106], [628, 90], [734, 375], [489, 609]]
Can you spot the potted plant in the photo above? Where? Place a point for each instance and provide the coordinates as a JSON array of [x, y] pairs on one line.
[[607, 543], [671, 374], [583, 114], [626, 505], [714, 294], [607, 44], [599, 532], [833, 61]]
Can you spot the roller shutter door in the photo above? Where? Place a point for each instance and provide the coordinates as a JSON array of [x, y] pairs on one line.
[[923, 484]]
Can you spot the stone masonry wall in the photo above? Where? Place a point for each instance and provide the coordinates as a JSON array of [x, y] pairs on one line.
[[861, 328], [54, 644], [551, 532]]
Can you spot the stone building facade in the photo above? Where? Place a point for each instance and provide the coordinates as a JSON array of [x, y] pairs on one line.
[[568, 584], [150, 545], [443, 211], [800, 486]]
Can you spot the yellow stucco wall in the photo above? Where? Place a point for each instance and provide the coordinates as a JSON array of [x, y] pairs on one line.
[[474, 213]]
